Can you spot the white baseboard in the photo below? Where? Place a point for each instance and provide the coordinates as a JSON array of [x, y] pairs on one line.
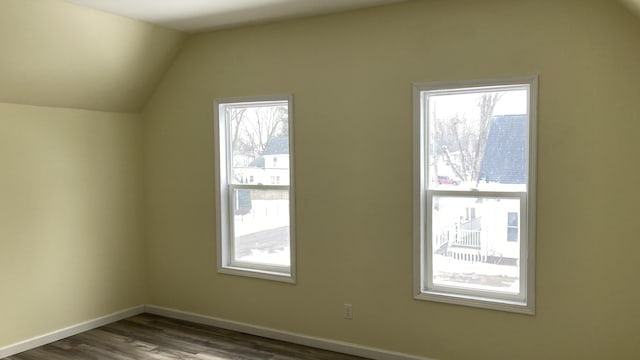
[[69, 331], [320, 343]]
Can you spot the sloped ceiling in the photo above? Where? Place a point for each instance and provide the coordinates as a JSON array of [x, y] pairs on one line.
[[204, 15], [55, 53], [58, 54]]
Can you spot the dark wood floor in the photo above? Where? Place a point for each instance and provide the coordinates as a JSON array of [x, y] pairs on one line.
[[149, 336]]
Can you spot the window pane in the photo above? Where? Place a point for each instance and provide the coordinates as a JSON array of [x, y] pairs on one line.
[[261, 226], [259, 142], [478, 139], [474, 252]]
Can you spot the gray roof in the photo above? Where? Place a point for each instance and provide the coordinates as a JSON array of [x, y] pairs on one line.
[[277, 145], [504, 158]]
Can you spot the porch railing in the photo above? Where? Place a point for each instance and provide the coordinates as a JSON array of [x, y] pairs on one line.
[[468, 239], [443, 237]]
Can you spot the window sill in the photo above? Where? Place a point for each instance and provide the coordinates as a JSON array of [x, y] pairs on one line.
[[258, 274], [479, 302]]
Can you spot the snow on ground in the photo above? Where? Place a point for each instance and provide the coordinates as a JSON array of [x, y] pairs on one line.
[[262, 235], [475, 275], [264, 215], [276, 257]]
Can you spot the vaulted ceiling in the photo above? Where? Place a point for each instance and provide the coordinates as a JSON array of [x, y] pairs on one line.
[[58, 53]]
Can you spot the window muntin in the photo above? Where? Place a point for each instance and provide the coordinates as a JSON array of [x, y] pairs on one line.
[[255, 213], [513, 219], [474, 193]]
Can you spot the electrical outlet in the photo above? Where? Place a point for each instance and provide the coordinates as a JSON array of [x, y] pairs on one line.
[[348, 312]]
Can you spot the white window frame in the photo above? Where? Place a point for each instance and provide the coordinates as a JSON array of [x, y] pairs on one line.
[[224, 193], [424, 289]]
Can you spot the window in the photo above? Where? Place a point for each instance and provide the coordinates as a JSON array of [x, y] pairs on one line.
[[474, 178], [255, 227], [512, 226]]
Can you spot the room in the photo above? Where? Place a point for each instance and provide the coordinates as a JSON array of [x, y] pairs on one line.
[[108, 182]]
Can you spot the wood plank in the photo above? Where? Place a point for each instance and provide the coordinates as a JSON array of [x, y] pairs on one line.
[[148, 336]]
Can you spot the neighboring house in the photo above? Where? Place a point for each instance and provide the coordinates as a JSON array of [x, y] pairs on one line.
[[488, 230], [271, 168]]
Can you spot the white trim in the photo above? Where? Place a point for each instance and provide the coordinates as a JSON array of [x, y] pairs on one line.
[[56, 335], [532, 155], [256, 273], [525, 301], [419, 198], [316, 342], [473, 85], [476, 301], [223, 192]]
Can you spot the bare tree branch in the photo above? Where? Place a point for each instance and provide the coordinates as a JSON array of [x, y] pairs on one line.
[[487, 104], [267, 122], [463, 140]]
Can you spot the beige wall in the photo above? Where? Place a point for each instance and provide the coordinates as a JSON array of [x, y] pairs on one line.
[[71, 237], [351, 75], [71, 183], [71, 246]]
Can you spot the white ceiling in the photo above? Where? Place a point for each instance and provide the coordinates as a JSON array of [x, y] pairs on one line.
[[202, 15]]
